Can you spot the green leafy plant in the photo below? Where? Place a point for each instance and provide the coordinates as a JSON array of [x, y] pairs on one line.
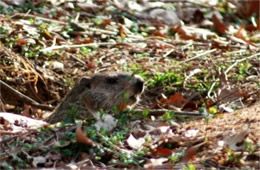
[[166, 78], [71, 114]]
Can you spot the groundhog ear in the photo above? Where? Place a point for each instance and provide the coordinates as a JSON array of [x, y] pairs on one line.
[[85, 82]]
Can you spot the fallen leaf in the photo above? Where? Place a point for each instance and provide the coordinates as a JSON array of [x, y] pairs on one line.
[[122, 32], [47, 35], [38, 160], [135, 143], [81, 138], [107, 21], [217, 45], [183, 33], [83, 41], [191, 152], [225, 92], [22, 42], [218, 25], [177, 100], [162, 152], [236, 142], [240, 35], [155, 162], [191, 132], [90, 64], [157, 33]]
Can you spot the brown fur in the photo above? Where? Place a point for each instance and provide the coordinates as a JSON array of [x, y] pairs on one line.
[[101, 91]]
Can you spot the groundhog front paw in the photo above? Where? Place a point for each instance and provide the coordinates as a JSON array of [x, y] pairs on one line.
[[107, 122]]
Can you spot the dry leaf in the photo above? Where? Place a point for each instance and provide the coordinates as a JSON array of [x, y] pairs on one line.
[[218, 25], [135, 143], [81, 138], [90, 64], [157, 33], [122, 32], [155, 162], [191, 152], [240, 35], [219, 46], [236, 141], [183, 33], [38, 160], [226, 93], [22, 42], [162, 152], [107, 21], [191, 133], [177, 100]]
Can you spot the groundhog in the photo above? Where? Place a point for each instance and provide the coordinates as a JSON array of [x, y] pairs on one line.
[[105, 91]]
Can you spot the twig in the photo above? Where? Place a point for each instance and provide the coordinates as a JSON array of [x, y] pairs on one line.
[[22, 15], [24, 98], [211, 89], [158, 112], [199, 55], [235, 52], [77, 46], [168, 53], [186, 1], [102, 31], [76, 58], [173, 43], [193, 72], [241, 60]]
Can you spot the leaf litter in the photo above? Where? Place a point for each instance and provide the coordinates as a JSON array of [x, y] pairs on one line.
[[194, 60]]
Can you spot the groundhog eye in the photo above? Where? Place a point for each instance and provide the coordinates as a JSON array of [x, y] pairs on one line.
[[112, 80]]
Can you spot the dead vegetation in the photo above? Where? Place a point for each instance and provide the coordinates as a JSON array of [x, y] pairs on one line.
[[200, 61]]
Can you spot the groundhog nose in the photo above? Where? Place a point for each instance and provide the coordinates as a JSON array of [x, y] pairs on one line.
[[139, 86]]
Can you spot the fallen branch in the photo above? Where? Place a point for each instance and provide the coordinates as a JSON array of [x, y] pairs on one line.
[[24, 98], [25, 15], [199, 55], [77, 46]]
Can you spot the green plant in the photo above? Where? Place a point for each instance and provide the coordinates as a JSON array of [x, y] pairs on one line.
[[166, 78], [175, 157], [169, 115], [71, 114]]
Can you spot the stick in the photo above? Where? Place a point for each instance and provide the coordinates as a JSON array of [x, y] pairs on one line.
[[199, 55], [241, 60], [24, 98], [22, 15], [76, 46]]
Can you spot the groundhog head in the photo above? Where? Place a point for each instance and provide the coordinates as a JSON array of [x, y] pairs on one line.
[[111, 90]]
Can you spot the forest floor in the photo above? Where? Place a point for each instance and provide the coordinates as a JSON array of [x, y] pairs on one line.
[[201, 66]]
